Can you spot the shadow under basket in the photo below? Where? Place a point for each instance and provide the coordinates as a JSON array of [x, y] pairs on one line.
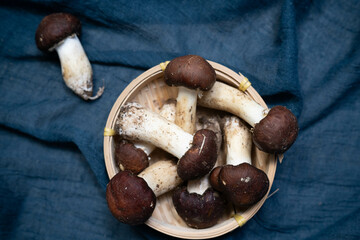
[[150, 90]]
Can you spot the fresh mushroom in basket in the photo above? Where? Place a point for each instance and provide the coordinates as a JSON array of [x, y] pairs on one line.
[[197, 203], [196, 153], [132, 199], [274, 131], [190, 74], [60, 31], [241, 183], [134, 157]]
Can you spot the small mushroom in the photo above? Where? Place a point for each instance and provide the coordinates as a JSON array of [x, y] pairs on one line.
[[129, 157], [197, 154], [60, 31], [241, 183], [274, 131], [198, 204], [199, 211], [132, 199], [189, 73], [134, 157]]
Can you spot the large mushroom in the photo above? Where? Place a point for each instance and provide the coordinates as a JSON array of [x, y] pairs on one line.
[[60, 31], [274, 131], [132, 199], [196, 153], [241, 183], [134, 156], [190, 74], [197, 203]]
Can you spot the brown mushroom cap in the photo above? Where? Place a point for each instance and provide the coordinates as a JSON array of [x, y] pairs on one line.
[[128, 157], [129, 198], [190, 71], [200, 158], [54, 28], [243, 185], [214, 178], [199, 211], [277, 131]]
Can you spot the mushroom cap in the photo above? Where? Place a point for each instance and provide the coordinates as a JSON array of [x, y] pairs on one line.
[[54, 28], [200, 158], [277, 131], [244, 184], [128, 157], [190, 71], [214, 178], [129, 198], [199, 211]]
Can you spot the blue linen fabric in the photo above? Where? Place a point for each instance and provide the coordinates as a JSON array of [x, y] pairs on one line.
[[301, 54]]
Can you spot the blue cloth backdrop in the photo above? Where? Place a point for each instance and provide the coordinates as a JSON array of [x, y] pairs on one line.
[[301, 54]]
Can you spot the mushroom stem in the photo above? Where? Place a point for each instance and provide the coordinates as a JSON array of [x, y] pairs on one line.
[[189, 73], [76, 68], [168, 112], [237, 141], [241, 183], [148, 148], [199, 186], [161, 177], [274, 131], [224, 97], [137, 123], [186, 109]]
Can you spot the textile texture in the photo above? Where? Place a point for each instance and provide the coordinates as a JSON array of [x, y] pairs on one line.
[[304, 55]]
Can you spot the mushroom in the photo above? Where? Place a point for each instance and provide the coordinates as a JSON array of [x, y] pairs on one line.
[[138, 123], [274, 131], [241, 183], [132, 199], [189, 73], [134, 157], [198, 204], [60, 31]]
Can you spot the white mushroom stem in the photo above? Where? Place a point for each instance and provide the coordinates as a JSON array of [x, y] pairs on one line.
[[237, 141], [168, 112], [186, 109], [199, 186], [161, 177], [137, 123], [226, 98], [76, 68]]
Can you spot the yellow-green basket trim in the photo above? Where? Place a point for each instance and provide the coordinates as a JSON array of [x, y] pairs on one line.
[[244, 84], [163, 65], [109, 132], [240, 219]]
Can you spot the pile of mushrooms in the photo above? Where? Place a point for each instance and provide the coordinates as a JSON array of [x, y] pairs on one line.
[[201, 190]]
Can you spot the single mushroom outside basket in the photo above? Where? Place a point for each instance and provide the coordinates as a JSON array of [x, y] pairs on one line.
[[150, 90]]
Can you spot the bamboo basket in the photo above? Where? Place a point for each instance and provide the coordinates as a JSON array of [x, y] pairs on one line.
[[150, 90]]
